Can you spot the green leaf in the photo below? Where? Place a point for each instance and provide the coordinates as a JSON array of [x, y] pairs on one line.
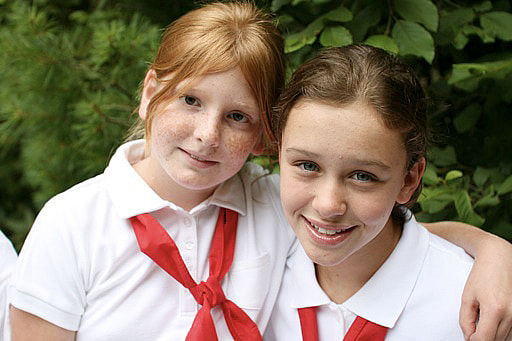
[[443, 157], [464, 209], [420, 11], [486, 36], [506, 186], [485, 6], [435, 200], [384, 42], [340, 14], [413, 39], [365, 19], [276, 169], [430, 176], [453, 174], [480, 176], [434, 205], [296, 41], [335, 36], [277, 4], [468, 118], [467, 76], [307, 36], [489, 200], [450, 27], [498, 24], [263, 161]]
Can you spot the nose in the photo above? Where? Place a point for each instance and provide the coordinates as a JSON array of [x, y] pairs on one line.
[[208, 127], [330, 200]]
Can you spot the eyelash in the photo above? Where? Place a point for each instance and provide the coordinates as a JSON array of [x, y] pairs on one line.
[[186, 98], [244, 117], [302, 165], [371, 178]]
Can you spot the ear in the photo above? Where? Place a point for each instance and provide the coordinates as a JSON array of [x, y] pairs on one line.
[[150, 86], [412, 180]]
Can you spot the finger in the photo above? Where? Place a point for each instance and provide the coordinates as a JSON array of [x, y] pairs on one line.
[[504, 332], [487, 326], [468, 316], [509, 336]]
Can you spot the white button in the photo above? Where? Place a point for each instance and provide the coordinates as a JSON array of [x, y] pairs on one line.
[[189, 245], [188, 222]]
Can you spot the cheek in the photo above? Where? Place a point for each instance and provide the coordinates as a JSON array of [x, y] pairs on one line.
[[294, 195], [374, 209], [239, 146], [167, 129]]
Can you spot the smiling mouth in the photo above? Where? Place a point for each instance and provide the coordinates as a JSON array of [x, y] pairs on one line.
[[197, 158], [330, 231]]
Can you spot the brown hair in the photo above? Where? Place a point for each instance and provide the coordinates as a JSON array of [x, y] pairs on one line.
[[344, 75], [215, 38]]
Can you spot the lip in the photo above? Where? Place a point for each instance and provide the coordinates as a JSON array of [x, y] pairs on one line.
[[340, 232], [198, 160]]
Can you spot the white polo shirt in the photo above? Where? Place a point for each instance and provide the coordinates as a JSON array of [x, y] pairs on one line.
[[8, 258], [81, 267], [416, 293]]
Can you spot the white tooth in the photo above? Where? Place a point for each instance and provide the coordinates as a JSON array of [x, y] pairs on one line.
[[325, 231], [197, 158]]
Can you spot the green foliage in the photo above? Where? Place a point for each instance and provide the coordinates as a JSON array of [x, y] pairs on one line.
[[68, 90], [71, 72]]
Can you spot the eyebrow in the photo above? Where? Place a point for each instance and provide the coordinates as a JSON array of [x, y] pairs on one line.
[[307, 153]]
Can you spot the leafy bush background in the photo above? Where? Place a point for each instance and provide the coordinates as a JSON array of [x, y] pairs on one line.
[[71, 71]]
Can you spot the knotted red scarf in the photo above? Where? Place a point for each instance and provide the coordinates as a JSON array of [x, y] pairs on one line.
[[156, 243], [360, 330]]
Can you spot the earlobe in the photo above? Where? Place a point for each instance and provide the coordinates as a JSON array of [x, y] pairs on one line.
[[150, 85], [411, 181]]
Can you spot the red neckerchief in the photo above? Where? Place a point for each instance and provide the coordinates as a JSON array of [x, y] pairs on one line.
[[360, 330], [156, 243]]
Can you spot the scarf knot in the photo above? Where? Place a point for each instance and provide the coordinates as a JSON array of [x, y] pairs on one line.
[[209, 291]]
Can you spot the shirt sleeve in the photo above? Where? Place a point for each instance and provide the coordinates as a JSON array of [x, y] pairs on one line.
[[8, 258], [48, 281]]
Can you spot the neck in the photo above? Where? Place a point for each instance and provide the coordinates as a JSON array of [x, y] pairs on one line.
[[343, 280], [169, 190]]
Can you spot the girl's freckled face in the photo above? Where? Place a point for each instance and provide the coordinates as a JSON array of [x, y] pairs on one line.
[[204, 137]]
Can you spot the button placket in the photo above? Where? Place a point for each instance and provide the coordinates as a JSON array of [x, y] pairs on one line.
[[190, 258]]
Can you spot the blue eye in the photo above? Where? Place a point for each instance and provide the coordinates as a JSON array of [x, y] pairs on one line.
[[363, 177], [308, 166], [238, 117], [189, 100]]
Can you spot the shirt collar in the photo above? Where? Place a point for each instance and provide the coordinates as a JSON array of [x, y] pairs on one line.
[[304, 279], [131, 195], [383, 298]]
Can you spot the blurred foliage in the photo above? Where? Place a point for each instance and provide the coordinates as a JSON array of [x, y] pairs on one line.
[[72, 69]]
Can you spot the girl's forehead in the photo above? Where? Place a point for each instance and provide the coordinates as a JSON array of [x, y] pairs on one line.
[[355, 131]]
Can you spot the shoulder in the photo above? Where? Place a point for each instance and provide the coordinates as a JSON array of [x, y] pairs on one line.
[[448, 251], [262, 184], [8, 257], [81, 197]]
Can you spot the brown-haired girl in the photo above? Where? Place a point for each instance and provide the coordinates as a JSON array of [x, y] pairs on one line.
[[353, 136]]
